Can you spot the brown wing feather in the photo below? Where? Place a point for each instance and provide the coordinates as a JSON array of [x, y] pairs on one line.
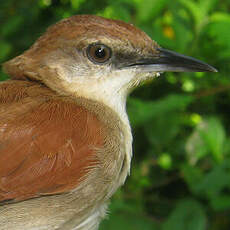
[[47, 144]]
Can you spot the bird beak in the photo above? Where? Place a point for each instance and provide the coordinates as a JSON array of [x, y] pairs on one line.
[[169, 61]]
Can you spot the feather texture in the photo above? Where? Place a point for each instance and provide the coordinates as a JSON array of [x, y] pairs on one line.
[[46, 145]]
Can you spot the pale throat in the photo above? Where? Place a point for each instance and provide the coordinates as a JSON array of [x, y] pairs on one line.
[[111, 89], [111, 92]]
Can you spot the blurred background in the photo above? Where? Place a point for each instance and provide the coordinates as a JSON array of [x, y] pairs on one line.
[[180, 177]]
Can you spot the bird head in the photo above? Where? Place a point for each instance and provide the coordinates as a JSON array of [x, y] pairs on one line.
[[97, 58]]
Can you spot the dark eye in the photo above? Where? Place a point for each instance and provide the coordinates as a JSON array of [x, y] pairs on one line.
[[98, 53]]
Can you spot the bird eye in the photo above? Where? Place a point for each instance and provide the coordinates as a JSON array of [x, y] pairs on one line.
[[98, 53]]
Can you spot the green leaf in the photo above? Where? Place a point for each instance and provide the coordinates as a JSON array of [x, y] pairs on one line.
[[5, 48], [140, 112], [215, 181], [208, 137], [219, 30], [127, 219], [199, 11], [162, 129], [193, 8], [11, 25], [220, 17], [149, 9], [124, 221], [188, 215], [221, 203], [192, 176], [115, 11], [207, 5], [213, 135]]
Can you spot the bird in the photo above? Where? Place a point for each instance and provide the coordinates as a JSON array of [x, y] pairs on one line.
[[65, 136]]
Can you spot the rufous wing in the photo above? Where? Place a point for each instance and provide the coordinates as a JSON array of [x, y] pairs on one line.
[[47, 144]]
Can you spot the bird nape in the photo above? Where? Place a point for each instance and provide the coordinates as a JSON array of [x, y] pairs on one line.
[[66, 143]]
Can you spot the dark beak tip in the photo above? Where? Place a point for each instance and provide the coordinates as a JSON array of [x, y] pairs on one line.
[[189, 64], [210, 68], [214, 70]]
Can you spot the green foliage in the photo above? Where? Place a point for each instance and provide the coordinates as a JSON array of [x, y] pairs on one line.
[[187, 215], [208, 137], [180, 177], [128, 216]]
